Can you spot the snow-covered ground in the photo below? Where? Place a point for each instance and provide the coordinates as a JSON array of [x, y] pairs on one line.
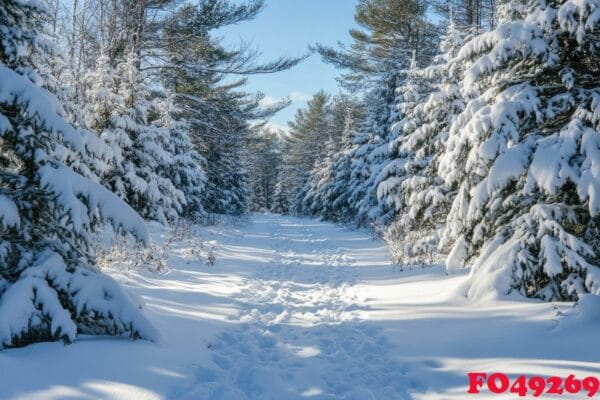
[[296, 308]]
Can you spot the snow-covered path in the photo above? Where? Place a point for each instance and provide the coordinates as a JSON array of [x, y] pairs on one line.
[[300, 333], [295, 309]]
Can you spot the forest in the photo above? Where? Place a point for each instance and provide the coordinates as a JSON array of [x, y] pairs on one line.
[[472, 141], [465, 137]]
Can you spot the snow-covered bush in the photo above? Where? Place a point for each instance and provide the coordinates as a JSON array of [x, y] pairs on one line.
[[123, 252]]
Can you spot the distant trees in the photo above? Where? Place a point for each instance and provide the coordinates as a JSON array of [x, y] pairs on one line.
[[264, 164], [195, 67], [310, 128], [392, 34], [325, 130]]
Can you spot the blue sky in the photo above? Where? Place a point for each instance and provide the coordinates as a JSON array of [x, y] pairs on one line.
[[287, 27]]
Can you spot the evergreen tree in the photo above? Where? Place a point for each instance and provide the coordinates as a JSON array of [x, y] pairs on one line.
[[218, 111], [119, 111], [390, 32], [324, 196], [340, 208], [185, 167], [263, 167], [309, 132], [412, 185], [49, 287], [523, 154], [371, 155], [473, 15], [227, 188], [281, 204]]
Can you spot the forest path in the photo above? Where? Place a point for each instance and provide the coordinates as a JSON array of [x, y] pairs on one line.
[[299, 331], [301, 309]]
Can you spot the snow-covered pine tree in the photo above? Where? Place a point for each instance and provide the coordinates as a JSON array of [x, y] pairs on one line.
[[315, 200], [49, 287], [372, 154], [259, 199], [57, 79], [337, 207], [185, 167], [409, 99], [227, 188], [328, 192], [102, 110], [281, 203], [306, 141], [379, 51], [118, 109], [474, 15], [147, 167], [412, 185], [525, 154], [220, 112], [264, 161]]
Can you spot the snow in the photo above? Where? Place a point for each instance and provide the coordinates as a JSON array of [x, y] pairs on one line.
[[457, 256], [70, 188], [97, 304], [40, 105], [297, 308], [27, 303], [508, 41], [508, 166], [9, 214]]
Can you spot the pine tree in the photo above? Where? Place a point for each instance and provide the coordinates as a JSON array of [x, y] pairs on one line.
[[340, 208], [372, 154], [119, 109], [308, 135], [410, 98], [390, 32], [185, 167], [329, 176], [198, 73], [264, 155], [49, 287], [281, 204], [473, 15], [523, 155], [412, 185]]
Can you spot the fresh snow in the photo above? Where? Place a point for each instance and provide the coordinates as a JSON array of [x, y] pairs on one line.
[[68, 186], [297, 308], [40, 105]]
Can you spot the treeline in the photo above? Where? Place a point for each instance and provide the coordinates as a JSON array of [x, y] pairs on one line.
[[112, 112], [470, 136], [135, 66]]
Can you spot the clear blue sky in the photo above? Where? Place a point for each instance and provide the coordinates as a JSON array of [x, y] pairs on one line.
[[287, 27]]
